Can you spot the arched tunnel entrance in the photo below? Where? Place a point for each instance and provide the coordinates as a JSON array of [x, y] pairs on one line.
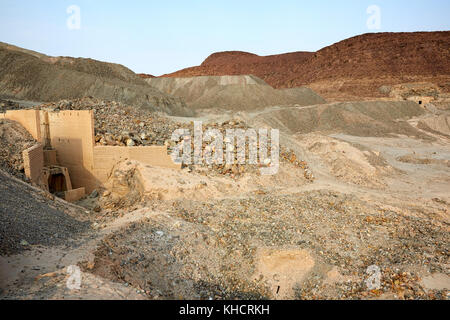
[[57, 183], [58, 180]]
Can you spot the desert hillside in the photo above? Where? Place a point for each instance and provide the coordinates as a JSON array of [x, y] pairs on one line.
[[355, 67], [238, 93], [29, 75], [283, 192], [269, 68]]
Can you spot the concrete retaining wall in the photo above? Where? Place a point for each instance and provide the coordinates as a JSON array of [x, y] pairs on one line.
[[71, 134], [105, 158], [29, 119], [33, 162]]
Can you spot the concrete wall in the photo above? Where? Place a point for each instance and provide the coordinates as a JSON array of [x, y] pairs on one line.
[[74, 194], [105, 158], [71, 134], [33, 162], [29, 119]]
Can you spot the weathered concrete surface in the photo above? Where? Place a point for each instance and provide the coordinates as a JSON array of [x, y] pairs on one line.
[[71, 134], [33, 163], [28, 75]]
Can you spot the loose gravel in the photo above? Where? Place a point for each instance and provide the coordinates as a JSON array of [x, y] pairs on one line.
[[29, 217]]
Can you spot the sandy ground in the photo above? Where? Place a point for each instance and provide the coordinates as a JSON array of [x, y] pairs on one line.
[[378, 200]]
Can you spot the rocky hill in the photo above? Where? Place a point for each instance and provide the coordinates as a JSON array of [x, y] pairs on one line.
[[269, 68], [237, 93], [30, 75], [145, 75], [355, 67]]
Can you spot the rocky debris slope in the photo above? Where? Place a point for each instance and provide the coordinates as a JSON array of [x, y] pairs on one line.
[[439, 125], [131, 183], [367, 119], [96, 68], [14, 139], [354, 67], [220, 249], [39, 78], [29, 217], [53, 286], [120, 125], [237, 93]]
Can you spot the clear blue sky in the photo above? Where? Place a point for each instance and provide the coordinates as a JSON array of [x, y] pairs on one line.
[[159, 37]]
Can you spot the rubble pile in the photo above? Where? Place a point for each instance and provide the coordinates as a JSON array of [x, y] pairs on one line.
[[8, 105], [236, 170], [119, 125], [14, 139]]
